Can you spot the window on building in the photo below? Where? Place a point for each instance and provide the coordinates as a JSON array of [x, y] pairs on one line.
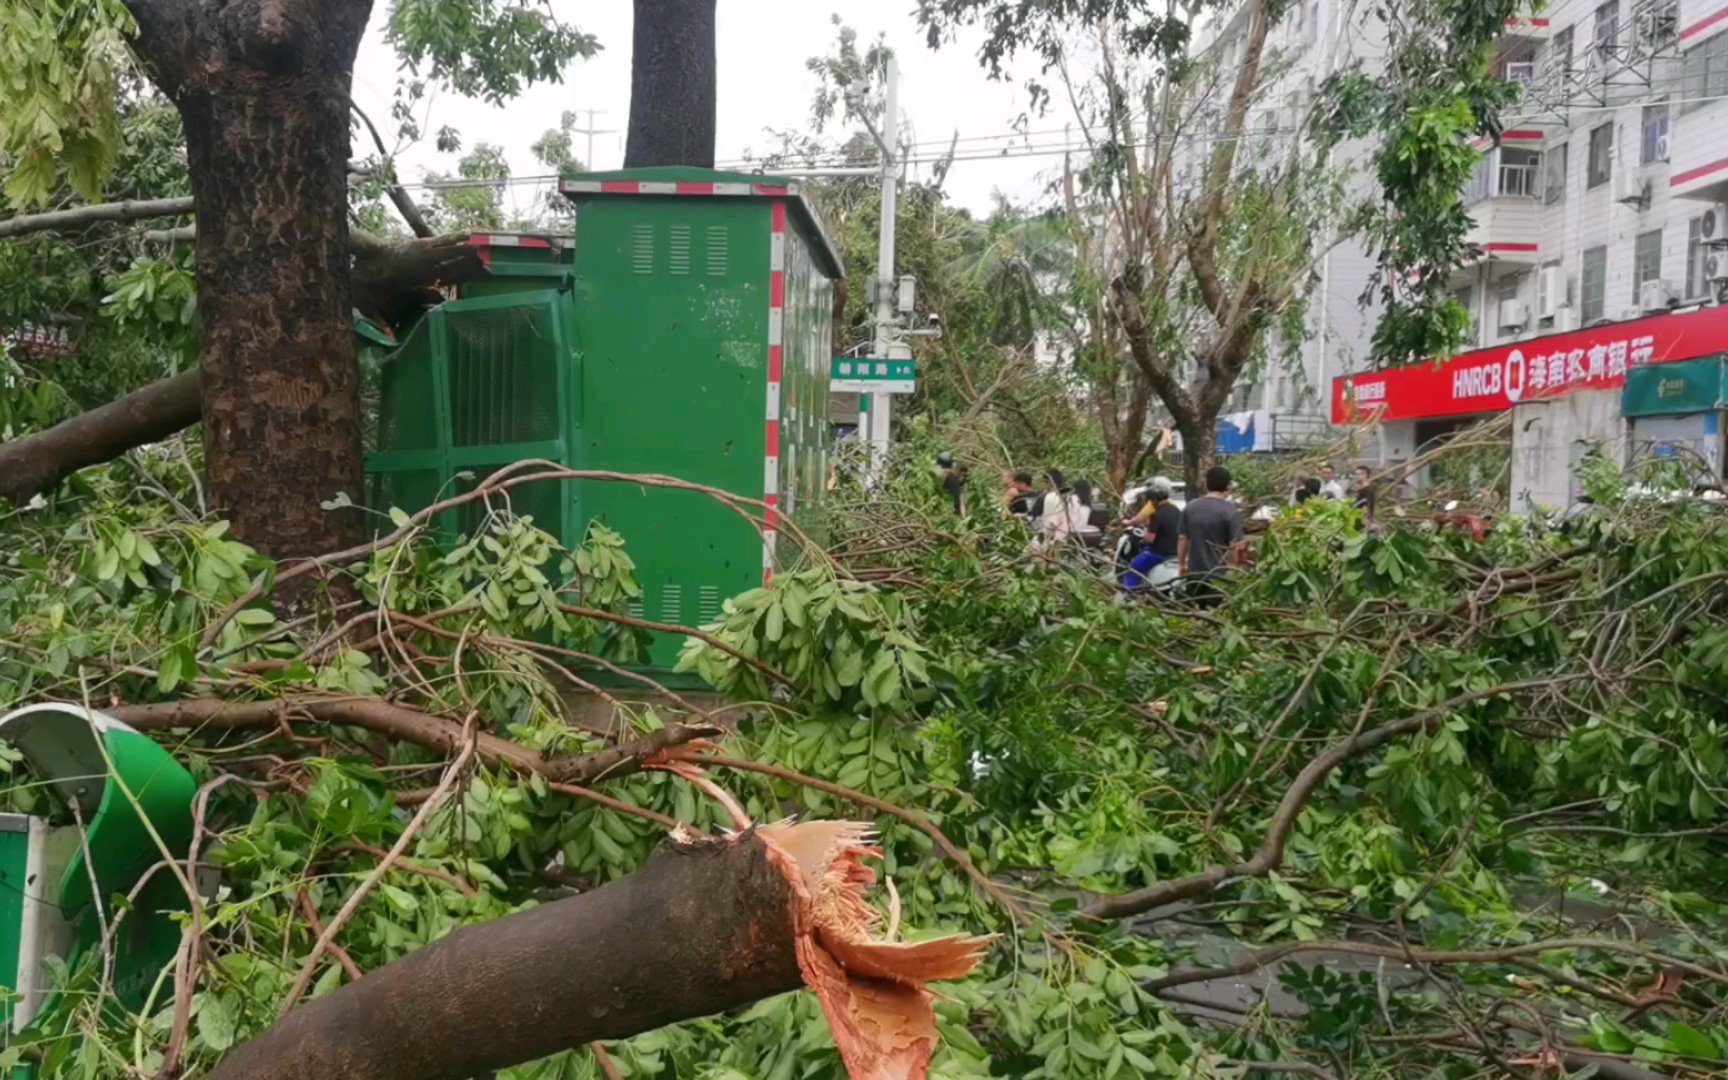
[[1464, 297], [1560, 52], [1696, 283], [1601, 163], [1646, 261], [1593, 290], [1554, 175], [1507, 287], [1654, 145], [1607, 36], [1659, 25], [1704, 73]]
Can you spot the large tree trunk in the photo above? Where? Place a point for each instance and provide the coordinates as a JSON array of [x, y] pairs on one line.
[[1199, 448], [704, 926], [672, 85], [262, 87]]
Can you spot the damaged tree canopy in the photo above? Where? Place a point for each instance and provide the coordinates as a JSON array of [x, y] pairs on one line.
[[1445, 802]]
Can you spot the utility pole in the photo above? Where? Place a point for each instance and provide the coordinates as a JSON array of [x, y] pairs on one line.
[[887, 339], [591, 131]]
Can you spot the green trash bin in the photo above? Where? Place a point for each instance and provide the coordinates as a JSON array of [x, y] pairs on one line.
[[58, 883]]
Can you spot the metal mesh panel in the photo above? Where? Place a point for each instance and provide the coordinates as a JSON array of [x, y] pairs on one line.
[[503, 375], [540, 501], [408, 418], [412, 491]]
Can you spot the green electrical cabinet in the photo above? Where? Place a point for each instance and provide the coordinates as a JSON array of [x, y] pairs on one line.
[[684, 330]]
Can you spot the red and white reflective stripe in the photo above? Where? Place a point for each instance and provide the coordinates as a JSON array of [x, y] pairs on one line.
[[482, 240], [672, 187], [771, 421], [1705, 23]]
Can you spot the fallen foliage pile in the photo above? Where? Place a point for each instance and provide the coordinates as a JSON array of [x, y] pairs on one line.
[[1405, 803]]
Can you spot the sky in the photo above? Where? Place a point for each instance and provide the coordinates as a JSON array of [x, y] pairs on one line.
[[763, 85]]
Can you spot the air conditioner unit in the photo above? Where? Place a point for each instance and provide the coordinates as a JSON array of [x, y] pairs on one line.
[[1550, 291], [1522, 73], [1514, 315], [1655, 295], [1630, 188], [1565, 319], [1713, 228], [1716, 266], [1662, 146]]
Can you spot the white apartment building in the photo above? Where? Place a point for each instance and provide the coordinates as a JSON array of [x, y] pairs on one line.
[[1606, 200], [1605, 193]]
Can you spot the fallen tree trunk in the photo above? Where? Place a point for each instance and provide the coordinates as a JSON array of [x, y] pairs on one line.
[[393, 280], [37, 462], [704, 926]]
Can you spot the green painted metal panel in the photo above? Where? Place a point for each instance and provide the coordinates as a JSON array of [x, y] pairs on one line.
[[14, 865], [483, 382], [520, 269], [1668, 389], [672, 323], [805, 433]]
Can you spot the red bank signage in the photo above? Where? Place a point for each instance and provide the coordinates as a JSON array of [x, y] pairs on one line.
[[1491, 380]]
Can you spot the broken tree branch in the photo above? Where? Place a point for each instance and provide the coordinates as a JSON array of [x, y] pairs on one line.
[[80, 217], [392, 281], [405, 205], [422, 729], [1270, 854]]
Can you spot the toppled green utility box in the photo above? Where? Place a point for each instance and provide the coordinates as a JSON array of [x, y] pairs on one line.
[[123, 804]]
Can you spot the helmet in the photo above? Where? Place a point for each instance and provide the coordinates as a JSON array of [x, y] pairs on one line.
[[945, 459], [1158, 487]]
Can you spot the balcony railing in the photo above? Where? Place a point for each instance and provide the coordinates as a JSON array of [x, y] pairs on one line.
[[1504, 181]]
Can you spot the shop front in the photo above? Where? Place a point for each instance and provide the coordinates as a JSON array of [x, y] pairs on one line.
[[1675, 411], [1564, 391]]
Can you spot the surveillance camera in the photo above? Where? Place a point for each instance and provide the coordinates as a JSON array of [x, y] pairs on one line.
[[934, 319]]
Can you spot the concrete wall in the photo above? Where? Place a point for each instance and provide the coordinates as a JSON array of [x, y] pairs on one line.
[[1550, 437]]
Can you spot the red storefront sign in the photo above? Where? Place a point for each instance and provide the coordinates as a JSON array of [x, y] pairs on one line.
[[1492, 380]]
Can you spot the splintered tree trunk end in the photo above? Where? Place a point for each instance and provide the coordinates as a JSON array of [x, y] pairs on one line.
[[672, 74], [704, 926]]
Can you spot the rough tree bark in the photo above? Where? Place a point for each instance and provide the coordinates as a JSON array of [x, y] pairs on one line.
[[672, 85], [262, 87], [702, 927], [392, 280]]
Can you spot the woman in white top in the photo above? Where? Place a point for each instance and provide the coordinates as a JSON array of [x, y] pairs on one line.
[[1065, 513]]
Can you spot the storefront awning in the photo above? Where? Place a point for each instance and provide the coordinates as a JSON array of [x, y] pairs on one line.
[[1494, 380]]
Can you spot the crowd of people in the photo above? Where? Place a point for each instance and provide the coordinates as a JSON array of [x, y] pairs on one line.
[[1362, 492], [1199, 540], [1162, 539]]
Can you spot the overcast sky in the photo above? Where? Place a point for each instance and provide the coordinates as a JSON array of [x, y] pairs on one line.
[[763, 85]]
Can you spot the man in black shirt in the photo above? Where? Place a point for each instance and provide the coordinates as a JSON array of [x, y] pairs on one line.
[[1164, 528], [1366, 497], [951, 479], [1212, 534]]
